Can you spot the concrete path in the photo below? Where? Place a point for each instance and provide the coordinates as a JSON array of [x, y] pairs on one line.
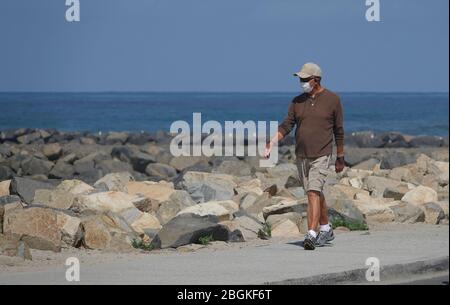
[[281, 262]]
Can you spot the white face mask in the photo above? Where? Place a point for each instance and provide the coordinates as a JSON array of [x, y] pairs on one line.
[[307, 88]]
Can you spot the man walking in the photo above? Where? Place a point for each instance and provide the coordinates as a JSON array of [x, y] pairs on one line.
[[317, 115]]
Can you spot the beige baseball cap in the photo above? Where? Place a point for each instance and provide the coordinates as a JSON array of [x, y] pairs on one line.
[[308, 70]]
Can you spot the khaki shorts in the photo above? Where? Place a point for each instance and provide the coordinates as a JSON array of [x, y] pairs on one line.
[[313, 172]]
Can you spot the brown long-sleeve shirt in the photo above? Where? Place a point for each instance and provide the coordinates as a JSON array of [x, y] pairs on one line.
[[317, 120]]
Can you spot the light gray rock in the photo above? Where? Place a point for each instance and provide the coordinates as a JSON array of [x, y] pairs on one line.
[[203, 187], [114, 182], [377, 185], [56, 199], [408, 213], [159, 171], [433, 213], [420, 195], [260, 203], [286, 206], [347, 210], [178, 201], [223, 210]]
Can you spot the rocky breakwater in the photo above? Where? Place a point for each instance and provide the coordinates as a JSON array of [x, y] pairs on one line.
[[121, 191]]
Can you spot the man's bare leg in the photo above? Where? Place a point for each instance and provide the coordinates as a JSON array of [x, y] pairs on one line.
[[314, 210], [323, 211]]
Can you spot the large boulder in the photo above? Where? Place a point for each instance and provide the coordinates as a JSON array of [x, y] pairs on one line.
[[4, 188], [7, 204], [37, 226], [247, 225], [297, 218], [286, 206], [433, 213], [138, 159], [12, 246], [90, 176], [177, 201], [144, 222], [223, 210], [255, 206], [62, 170], [5, 172], [253, 186], [114, 182], [205, 187], [189, 228], [56, 199], [346, 210], [393, 140], [369, 164], [348, 191], [105, 201], [35, 166], [29, 138], [285, 228], [377, 185], [401, 173], [102, 233], [445, 207], [420, 195], [91, 159], [52, 151], [407, 213], [390, 160], [25, 188], [155, 191], [141, 138], [115, 137], [425, 166], [113, 166], [375, 209], [364, 139], [182, 162], [268, 180], [426, 141], [75, 187], [70, 228], [396, 193], [160, 171]]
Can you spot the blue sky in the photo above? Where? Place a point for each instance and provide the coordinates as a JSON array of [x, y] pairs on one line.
[[222, 45]]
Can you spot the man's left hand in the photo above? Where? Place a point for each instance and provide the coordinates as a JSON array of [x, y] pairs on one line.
[[340, 164]]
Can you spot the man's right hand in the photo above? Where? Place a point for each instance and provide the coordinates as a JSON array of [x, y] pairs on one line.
[[268, 150]]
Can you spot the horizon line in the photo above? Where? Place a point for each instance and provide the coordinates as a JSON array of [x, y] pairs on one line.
[[222, 92]]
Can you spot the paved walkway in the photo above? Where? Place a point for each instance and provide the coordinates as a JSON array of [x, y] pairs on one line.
[[277, 262]]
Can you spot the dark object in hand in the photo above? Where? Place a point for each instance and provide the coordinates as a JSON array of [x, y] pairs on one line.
[[340, 164]]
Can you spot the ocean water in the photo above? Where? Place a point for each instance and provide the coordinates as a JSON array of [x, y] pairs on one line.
[[409, 113]]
